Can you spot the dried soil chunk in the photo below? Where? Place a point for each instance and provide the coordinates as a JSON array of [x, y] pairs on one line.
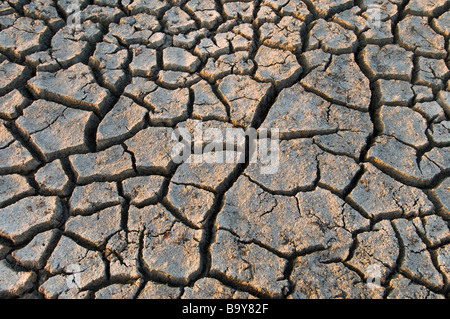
[[425, 7], [52, 179], [44, 10], [14, 283], [285, 35], [153, 290], [241, 10], [209, 288], [71, 45], [143, 190], [170, 248], [249, 263], [34, 254], [390, 154], [177, 79], [96, 228], [22, 220], [152, 148], [111, 164], [144, 61], [24, 37], [388, 62], [332, 38], [443, 193], [15, 158], [57, 287], [336, 172], [316, 279], [57, 130], [75, 86], [238, 63], [394, 92], [12, 104], [122, 252], [405, 125], [432, 72], [244, 97], [179, 59], [341, 81], [136, 29], [403, 288], [327, 7], [440, 134], [153, 7], [95, 196], [435, 229], [168, 106], [13, 187], [108, 56], [178, 21], [205, 11], [443, 258], [442, 24], [101, 14], [276, 66], [13, 75], [294, 170], [206, 103], [311, 220], [192, 202], [417, 259], [416, 35], [125, 119], [118, 291], [381, 196], [197, 171], [377, 248], [306, 120], [139, 88], [81, 267]]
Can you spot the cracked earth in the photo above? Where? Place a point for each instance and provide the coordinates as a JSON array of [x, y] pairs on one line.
[[93, 206]]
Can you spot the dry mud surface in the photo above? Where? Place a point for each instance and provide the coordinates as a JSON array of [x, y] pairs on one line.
[[92, 205]]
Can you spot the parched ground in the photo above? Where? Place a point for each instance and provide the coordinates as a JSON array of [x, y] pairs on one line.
[[92, 205]]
